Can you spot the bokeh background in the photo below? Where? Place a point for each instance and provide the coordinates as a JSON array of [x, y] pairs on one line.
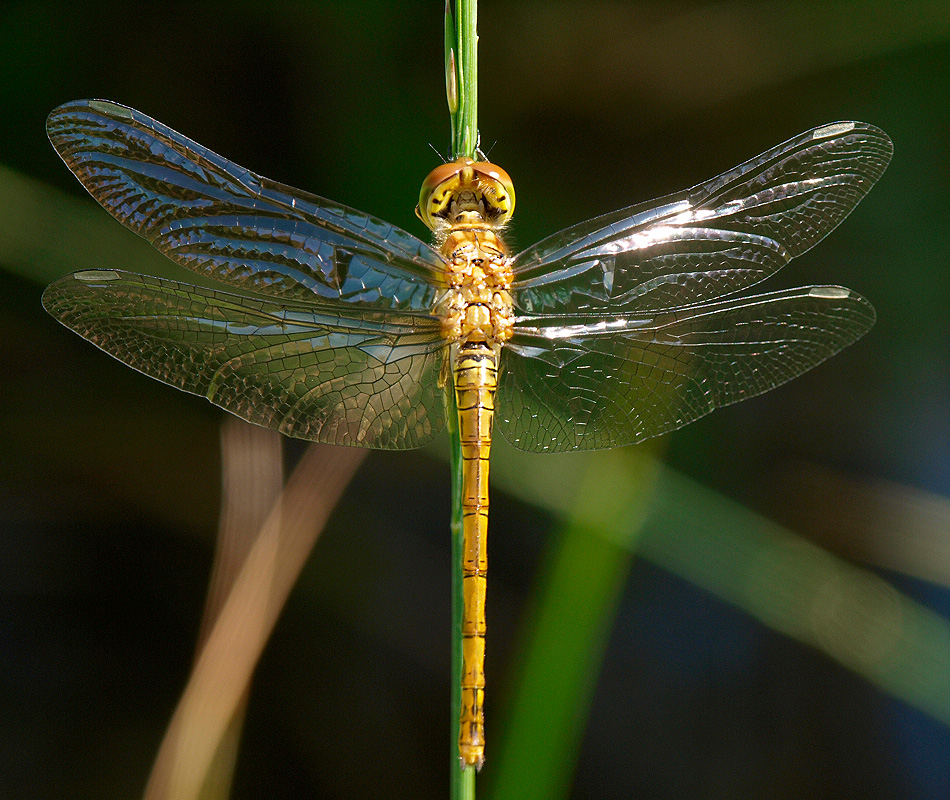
[[754, 606]]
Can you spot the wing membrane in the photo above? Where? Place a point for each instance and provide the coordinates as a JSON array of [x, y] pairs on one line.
[[223, 221], [353, 377], [611, 383], [710, 241]]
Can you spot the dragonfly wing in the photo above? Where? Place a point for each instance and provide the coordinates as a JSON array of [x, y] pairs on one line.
[[710, 241], [572, 385], [356, 377], [223, 221]]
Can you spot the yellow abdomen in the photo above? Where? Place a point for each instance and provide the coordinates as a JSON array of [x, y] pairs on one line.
[[475, 382]]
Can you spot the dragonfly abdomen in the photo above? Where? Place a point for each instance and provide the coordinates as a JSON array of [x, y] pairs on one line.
[[476, 377]]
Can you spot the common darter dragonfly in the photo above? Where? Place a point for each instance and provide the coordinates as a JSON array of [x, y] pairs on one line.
[[344, 329]]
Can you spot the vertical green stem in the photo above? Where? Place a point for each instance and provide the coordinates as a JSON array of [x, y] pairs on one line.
[[461, 62], [461, 83], [463, 780]]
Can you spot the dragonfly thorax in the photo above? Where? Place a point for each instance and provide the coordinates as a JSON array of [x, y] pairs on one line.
[[477, 306]]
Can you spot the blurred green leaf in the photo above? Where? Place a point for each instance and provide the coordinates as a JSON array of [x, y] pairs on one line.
[[576, 600]]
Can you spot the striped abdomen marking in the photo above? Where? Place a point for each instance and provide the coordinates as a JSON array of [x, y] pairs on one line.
[[476, 368]]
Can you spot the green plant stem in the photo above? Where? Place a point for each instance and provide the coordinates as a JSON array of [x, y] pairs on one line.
[[465, 129], [461, 43]]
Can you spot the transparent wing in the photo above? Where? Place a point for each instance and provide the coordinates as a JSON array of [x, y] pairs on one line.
[[710, 241], [220, 220], [353, 377], [611, 383]]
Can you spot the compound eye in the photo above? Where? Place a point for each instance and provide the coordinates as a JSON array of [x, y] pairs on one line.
[[499, 191], [437, 190]]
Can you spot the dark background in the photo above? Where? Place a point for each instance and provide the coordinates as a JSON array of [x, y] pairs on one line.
[[109, 483]]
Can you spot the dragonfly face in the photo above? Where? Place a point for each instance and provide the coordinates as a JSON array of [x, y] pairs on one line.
[[479, 189], [607, 333]]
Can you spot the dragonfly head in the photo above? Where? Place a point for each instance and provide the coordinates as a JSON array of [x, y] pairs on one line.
[[466, 192]]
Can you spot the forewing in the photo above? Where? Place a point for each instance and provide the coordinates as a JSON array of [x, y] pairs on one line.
[[710, 241], [598, 385], [223, 221], [356, 377]]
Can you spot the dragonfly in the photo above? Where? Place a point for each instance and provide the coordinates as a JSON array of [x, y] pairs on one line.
[[341, 328]]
